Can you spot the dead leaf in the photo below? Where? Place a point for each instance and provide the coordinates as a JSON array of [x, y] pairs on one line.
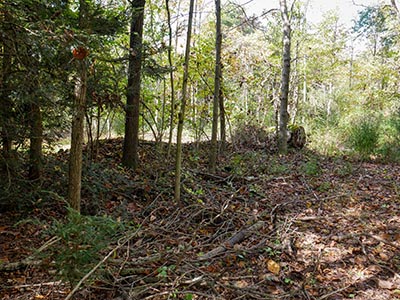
[[241, 264], [384, 256], [241, 284], [273, 267], [384, 284]]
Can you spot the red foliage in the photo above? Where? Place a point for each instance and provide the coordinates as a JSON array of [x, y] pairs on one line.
[[80, 52]]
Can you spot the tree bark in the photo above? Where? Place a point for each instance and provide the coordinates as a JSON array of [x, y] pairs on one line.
[[171, 78], [6, 105], [36, 141], [181, 118], [75, 159], [130, 157], [222, 117], [77, 130], [396, 8], [283, 110], [217, 87]]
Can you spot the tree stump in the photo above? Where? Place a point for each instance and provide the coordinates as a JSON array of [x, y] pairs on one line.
[[297, 138]]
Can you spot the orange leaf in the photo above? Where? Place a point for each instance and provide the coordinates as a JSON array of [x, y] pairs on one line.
[[273, 267]]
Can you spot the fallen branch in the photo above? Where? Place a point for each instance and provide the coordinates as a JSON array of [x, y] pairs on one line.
[[14, 266], [30, 260], [334, 292], [34, 285], [84, 278], [237, 238]]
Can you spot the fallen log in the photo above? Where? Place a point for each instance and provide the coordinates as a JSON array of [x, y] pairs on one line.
[[237, 238]]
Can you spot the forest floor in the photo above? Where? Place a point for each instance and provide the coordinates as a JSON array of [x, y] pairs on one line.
[[300, 226]]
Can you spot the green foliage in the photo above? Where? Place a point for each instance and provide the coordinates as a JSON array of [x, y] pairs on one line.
[[99, 183], [363, 136], [248, 163], [344, 168], [374, 23], [389, 142], [277, 167], [164, 270], [324, 186], [81, 242], [326, 140], [311, 168], [233, 16], [188, 296]]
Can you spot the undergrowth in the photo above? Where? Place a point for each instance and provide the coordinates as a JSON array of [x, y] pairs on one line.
[[81, 241]]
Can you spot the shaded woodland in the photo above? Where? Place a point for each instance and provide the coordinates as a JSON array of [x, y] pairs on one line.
[[185, 149]]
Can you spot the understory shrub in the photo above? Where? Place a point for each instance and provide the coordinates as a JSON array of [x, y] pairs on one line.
[[389, 142], [81, 240], [251, 136], [363, 136], [326, 141]]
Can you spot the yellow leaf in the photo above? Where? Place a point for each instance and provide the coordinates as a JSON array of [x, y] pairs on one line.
[[241, 284], [273, 267]]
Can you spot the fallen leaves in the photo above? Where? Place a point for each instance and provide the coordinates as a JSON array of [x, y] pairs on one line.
[[318, 238], [273, 267]]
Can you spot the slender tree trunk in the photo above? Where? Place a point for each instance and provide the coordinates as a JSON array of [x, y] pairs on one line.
[[296, 89], [163, 109], [36, 141], [78, 118], [181, 118], [130, 157], [75, 160], [222, 117], [305, 79], [171, 78], [396, 8], [217, 88], [5, 103], [351, 67], [283, 113], [177, 27]]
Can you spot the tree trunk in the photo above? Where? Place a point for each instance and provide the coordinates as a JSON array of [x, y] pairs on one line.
[[217, 87], [130, 157], [5, 103], [77, 130], [396, 8], [181, 118], [171, 78], [36, 141], [75, 159], [222, 117], [283, 113]]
